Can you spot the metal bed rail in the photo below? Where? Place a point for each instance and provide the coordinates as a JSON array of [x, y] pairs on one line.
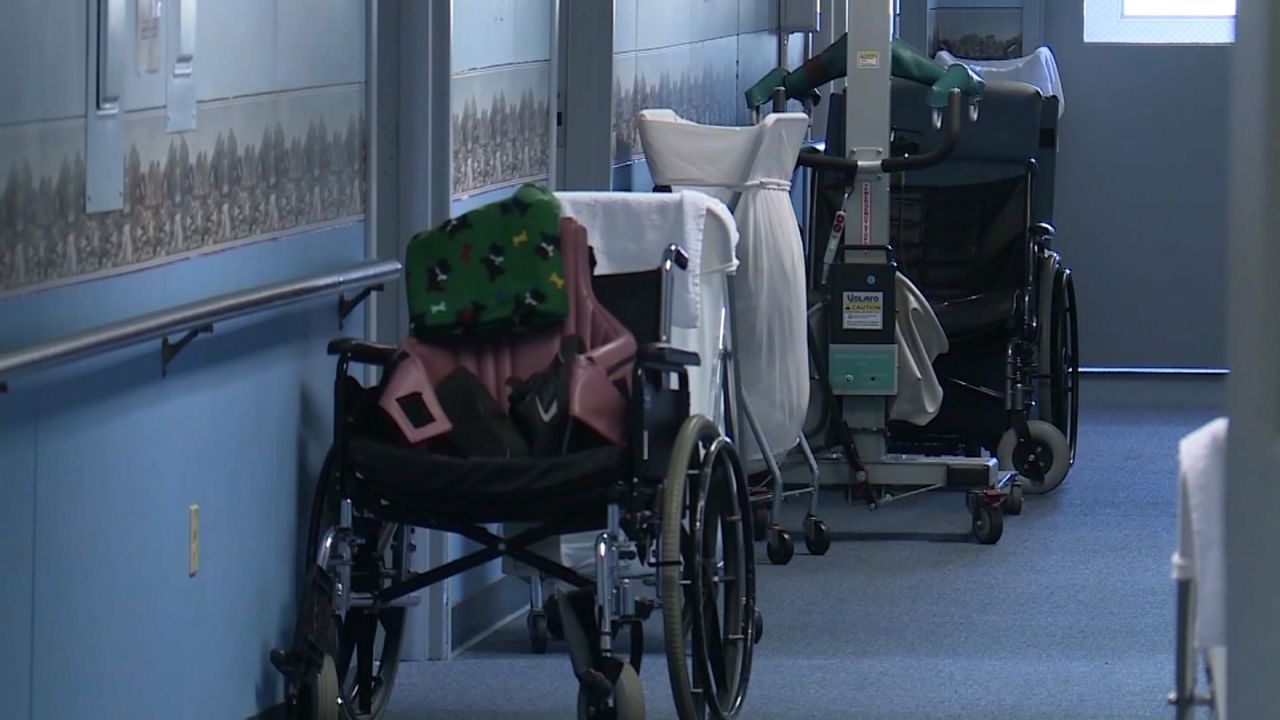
[[353, 285]]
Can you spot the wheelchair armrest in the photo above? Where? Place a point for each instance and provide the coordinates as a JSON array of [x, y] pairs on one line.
[[663, 356], [363, 352]]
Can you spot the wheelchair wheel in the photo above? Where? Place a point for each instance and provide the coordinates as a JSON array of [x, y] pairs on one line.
[[708, 568], [322, 700], [1064, 363], [364, 557], [1042, 461]]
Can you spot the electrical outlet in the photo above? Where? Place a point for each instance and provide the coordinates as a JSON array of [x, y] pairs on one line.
[[193, 540]]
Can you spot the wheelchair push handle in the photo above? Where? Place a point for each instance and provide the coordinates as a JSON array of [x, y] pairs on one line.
[[952, 123], [673, 257]]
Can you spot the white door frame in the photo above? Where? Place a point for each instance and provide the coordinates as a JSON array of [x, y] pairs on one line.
[[1253, 347]]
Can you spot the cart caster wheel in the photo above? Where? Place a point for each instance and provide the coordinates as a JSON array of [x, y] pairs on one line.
[[555, 625], [988, 523], [322, 695], [1012, 503], [817, 538], [780, 547], [628, 699], [539, 634], [760, 523], [759, 626]]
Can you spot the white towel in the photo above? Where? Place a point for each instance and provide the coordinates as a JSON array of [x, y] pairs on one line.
[[651, 221], [1039, 69], [921, 340]]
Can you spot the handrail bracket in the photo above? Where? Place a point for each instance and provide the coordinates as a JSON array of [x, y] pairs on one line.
[[347, 305], [169, 350]]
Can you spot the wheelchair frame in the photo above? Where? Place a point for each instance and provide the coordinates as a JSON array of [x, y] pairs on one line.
[[683, 511], [1041, 369]]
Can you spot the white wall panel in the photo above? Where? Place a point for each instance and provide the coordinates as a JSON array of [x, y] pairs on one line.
[[42, 60]]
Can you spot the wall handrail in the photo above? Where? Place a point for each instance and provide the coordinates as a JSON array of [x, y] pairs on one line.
[[199, 316]]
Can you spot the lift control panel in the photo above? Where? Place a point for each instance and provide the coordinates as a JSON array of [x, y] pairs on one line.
[[862, 314]]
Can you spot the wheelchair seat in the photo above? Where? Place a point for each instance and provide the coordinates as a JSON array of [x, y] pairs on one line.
[[571, 487]]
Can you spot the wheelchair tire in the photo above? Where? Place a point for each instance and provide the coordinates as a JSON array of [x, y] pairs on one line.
[[1064, 363], [628, 698], [1058, 388], [322, 696], [1043, 464], [376, 635], [707, 564]]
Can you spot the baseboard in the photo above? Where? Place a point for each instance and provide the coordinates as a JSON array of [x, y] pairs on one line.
[[1206, 391], [479, 616]]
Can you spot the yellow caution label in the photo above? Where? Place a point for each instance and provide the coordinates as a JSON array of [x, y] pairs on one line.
[[862, 310]]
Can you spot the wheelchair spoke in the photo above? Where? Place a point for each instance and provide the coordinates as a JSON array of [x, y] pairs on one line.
[[364, 663], [347, 633], [715, 643]]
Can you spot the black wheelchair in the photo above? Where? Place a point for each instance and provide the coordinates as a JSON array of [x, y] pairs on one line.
[[975, 235], [671, 505]]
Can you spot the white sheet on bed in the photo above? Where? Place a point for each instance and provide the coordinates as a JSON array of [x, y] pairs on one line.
[[1201, 553], [1201, 475]]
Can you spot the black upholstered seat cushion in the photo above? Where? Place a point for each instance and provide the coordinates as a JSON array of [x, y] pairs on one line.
[[427, 488]]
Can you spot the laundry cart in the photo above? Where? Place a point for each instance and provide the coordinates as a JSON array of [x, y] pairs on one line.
[[750, 170], [627, 231], [1200, 573]]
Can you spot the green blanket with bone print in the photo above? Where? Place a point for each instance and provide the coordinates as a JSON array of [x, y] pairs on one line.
[[489, 272]]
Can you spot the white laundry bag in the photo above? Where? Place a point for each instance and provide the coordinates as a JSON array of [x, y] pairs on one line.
[[750, 169]]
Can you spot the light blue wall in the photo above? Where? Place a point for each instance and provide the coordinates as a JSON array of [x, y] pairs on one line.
[[100, 461], [1141, 195]]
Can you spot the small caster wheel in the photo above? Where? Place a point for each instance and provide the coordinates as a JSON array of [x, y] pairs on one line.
[[817, 538], [628, 699], [1042, 460], [988, 523], [322, 695], [539, 634], [555, 625], [780, 547], [1012, 503], [760, 522], [759, 626]]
